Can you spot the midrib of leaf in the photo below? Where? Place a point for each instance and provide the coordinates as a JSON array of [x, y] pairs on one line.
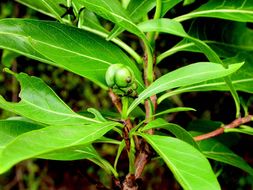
[[193, 14], [73, 52], [56, 47], [90, 135], [60, 113]]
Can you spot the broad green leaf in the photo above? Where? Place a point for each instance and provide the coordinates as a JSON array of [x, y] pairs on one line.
[[136, 9], [175, 129], [215, 150], [240, 10], [113, 11], [242, 79], [188, 75], [163, 25], [42, 141], [67, 47], [49, 7], [10, 129], [189, 166], [40, 103]]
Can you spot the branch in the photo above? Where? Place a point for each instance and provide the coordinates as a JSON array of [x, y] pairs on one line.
[[221, 130]]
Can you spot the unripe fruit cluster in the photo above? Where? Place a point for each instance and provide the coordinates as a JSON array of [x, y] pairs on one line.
[[121, 79]]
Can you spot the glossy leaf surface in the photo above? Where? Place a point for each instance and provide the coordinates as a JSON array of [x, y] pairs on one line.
[[184, 76], [190, 167], [240, 10], [35, 143], [67, 47], [215, 150], [40, 103], [175, 129]]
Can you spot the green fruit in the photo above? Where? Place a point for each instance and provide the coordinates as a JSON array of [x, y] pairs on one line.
[[123, 77], [110, 74]]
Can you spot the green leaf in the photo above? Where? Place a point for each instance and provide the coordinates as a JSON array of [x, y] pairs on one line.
[[40, 103], [78, 153], [90, 20], [72, 153], [8, 58], [173, 110], [67, 47], [162, 25], [10, 129], [167, 5], [136, 9], [120, 149], [242, 79], [175, 129], [240, 10], [242, 129], [215, 150], [42, 7], [188, 75], [38, 142], [189, 166], [113, 11]]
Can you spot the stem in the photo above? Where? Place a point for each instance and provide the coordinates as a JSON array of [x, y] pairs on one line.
[[157, 15], [221, 130], [148, 64], [125, 102], [117, 41]]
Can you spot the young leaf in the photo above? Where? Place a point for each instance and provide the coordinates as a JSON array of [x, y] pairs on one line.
[[175, 129], [40, 103], [188, 75], [64, 46], [113, 11], [173, 110], [189, 166], [38, 142], [136, 9], [215, 150], [240, 10]]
